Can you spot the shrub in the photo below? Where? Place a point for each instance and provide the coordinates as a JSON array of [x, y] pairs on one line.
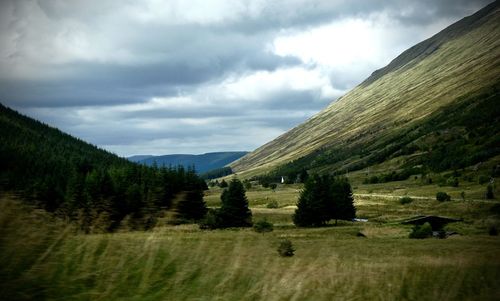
[[372, 180], [421, 231], [405, 200], [489, 192], [211, 220], [285, 249], [495, 171], [493, 231], [482, 179], [452, 181], [223, 184], [247, 185], [495, 209], [443, 197], [273, 204], [273, 186], [264, 182], [263, 226], [467, 178]]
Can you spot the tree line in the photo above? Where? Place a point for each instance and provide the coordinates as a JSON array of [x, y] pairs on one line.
[[77, 180], [324, 198], [70, 177]]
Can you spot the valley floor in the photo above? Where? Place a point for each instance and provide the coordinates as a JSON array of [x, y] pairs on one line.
[[330, 263]]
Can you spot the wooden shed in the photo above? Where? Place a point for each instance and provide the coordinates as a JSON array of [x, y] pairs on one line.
[[437, 222]]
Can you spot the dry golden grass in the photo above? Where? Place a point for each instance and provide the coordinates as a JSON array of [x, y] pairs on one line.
[[43, 258]]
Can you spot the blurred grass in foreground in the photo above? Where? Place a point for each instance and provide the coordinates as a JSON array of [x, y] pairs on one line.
[[43, 258]]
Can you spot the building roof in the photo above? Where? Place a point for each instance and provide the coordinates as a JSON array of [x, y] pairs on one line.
[[436, 222]]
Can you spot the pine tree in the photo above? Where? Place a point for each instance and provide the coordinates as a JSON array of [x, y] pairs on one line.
[[489, 192], [55, 171], [312, 207], [192, 207], [234, 211], [343, 208], [223, 184], [302, 177], [322, 199]]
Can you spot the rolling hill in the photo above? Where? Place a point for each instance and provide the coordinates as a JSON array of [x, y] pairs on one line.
[[436, 105], [52, 170], [202, 163], [139, 158]]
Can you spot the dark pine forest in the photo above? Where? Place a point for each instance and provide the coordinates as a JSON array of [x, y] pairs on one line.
[[74, 179]]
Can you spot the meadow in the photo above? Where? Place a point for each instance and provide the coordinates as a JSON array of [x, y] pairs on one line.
[[43, 258]]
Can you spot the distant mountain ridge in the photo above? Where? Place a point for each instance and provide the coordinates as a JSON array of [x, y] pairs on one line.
[[202, 163], [139, 158], [401, 110]]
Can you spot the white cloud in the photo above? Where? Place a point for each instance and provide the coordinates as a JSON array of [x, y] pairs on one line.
[[258, 85], [238, 91], [340, 44]]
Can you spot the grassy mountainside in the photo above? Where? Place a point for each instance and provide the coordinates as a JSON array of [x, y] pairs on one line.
[[455, 70], [202, 163]]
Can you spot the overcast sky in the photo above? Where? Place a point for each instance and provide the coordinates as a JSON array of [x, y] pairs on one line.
[[162, 77]]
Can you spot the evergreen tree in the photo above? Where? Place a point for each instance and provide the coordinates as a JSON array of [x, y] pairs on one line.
[[76, 193], [489, 192], [343, 207], [62, 174], [223, 184], [234, 211], [322, 199], [193, 207], [302, 177], [312, 207]]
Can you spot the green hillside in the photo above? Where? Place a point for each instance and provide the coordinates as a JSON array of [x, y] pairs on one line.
[[80, 223], [436, 106], [62, 174]]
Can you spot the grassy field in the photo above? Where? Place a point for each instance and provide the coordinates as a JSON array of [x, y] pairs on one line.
[[42, 258]]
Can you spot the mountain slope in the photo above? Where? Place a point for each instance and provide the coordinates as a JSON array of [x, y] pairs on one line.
[[456, 65], [202, 163], [58, 172]]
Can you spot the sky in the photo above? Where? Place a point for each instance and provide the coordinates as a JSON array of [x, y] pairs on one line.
[[178, 76]]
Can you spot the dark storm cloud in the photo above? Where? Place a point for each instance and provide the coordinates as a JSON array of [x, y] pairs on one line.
[[103, 84], [292, 101], [123, 73], [302, 14], [181, 56], [423, 12], [186, 54]]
